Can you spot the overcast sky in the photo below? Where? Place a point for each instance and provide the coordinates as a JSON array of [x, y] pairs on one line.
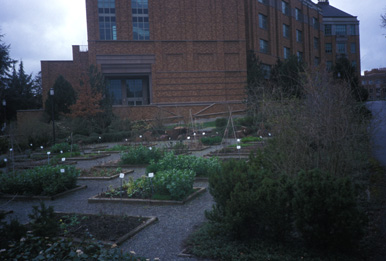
[[47, 29]]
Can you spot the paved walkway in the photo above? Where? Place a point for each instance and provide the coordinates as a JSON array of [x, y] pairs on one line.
[[163, 239]]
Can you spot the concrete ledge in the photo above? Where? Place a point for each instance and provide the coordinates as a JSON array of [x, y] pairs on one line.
[[26, 197], [97, 199]]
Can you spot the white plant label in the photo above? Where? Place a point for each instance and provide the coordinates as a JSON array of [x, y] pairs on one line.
[[238, 140], [5, 160], [239, 147], [41, 147], [63, 159], [122, 175], [151, 175], [61, 152], [188, 138], [150, 148], [62, 170], [48, 153]]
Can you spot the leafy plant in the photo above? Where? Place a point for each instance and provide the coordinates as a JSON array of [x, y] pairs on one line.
[[43, 221], [140, 155], [208, 141], [177, 183], [250, 139]]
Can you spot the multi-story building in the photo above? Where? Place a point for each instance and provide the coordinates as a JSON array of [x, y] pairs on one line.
[[375, 83], [190, 56], [341, 35]]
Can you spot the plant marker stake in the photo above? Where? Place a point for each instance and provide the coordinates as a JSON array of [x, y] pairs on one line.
[[151, 176], [41, 147], [121, 176], [48, 153]]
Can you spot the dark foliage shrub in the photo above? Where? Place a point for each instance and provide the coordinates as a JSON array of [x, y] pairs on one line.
[[326, 211], [140, 155], [4, 144], [10, 232], [43, 221], [208, 141]]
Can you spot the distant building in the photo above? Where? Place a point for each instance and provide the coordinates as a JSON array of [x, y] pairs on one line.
[[375, 83], [190, 56]]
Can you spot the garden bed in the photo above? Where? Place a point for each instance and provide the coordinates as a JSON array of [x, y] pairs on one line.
[[31, 197], [88, 157], [107, 229], [102, 198], [98, 173], [117, 164]]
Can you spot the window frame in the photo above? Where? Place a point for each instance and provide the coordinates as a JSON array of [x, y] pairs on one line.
[[286, 31], [263, 21], [264, 46]]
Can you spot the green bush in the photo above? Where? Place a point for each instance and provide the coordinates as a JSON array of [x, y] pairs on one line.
[[177, 183], [39, 181], [208, 141], [250, 139], [326, 211], [140, 155], [251, 202], [64, 147], [43, 221], [10, 232], [202, 167], [221, 122]]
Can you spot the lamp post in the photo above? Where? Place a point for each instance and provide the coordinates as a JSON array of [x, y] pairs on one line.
[[52, 92], [5, 116]]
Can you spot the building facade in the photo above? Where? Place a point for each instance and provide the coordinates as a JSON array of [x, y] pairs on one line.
[[179, 56], [375, 83]]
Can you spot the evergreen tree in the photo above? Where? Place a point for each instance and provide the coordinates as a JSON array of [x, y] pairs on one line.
[[64, 97]]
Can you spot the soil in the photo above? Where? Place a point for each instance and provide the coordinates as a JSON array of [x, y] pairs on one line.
[[99, 172], [101, 227]]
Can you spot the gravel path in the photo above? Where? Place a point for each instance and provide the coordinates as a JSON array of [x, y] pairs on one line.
[[163, 239]]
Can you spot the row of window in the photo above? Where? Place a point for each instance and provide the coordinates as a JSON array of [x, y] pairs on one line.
[[340, 29], [341, 48], [370, 82], [107, 19]]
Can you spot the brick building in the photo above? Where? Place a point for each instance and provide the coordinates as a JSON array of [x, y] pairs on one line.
[[189, 56], [375, 83]]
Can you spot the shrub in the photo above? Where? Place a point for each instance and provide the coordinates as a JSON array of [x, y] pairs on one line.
[[140, 155], [44, 181], [251, 202], [64, 147], [34, 132], [43, 221], [208, 141], [221, 122], [177, 183], [326, 211], [202, 167], [10, 233]]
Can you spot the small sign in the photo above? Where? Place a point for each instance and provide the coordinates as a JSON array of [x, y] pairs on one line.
[[261, 137], [48, 153], [31, 144], [238, 140], [188, 138], [194, 134], [269, 134], [5, 160], [140, 136], [63, 159], [203, 133], [61, 152], [150, 148], [122, 175], [239, 147], [151, 175], [126, 140], [11, 149], [41, 147], [62, 170]]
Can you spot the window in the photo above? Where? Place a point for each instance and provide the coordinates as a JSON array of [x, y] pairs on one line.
[[263, 2], [132, 91], [263, 21], [298, 15], [286, 31], [327, 29], [316, 61], [316, 43], [287, 53], [353, 29], [267, 70], [328, 48], [354, 64], [340, 29], [329, 66], [299, 36], [107, 23], [315, 23], [353, 47], [300, 56], [285, 8], [264, 46], [341, 48], [140, 13]]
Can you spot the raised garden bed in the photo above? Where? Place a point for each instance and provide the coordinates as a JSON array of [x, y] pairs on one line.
[[107, 229], [98, 173], [102, 198], [117, 164], [88, 157], [32, 197]]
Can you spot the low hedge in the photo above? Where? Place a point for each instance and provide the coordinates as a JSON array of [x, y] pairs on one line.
[[140, 155]]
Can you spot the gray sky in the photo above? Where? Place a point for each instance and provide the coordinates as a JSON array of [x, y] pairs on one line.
[[47, 29]]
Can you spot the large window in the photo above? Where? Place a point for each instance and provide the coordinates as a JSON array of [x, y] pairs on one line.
[[140, 13], [353, 29], [353, 47], [132, 91], [299, 36], [341, 47], [285, 8], [315, 23], [286, 31], [264, 48], [316, 43], [328, 48], [340, 29], [263, 2], [327, 29], [107, 23], [263, 21], [287, 53], [298, 14]]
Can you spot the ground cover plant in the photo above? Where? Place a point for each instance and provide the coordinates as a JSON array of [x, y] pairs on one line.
[[140, 155], [41, 242], [39, 181], [169, 184], [64, 147], [202, 167]]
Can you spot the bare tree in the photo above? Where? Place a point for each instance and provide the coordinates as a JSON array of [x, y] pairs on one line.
[[383, 20]]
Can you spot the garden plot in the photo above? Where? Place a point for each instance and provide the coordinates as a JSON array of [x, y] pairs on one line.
[[98, 173]]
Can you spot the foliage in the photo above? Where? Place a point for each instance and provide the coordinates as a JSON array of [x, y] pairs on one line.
[[44, 181], [180, 148], [177, 183], [64, 147], [64, 97], [35, 132], [100, 172], [250, 139], [208, 141], [221, 122], [43, 221], [383, 20], [346, 73], [5, 62], [140, 155], [326, 211], [202, 167], [10, 232]]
